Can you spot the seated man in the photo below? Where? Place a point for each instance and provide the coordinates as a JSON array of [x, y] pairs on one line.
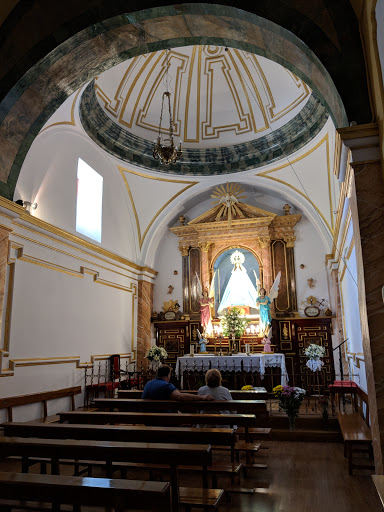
[[161, 389]]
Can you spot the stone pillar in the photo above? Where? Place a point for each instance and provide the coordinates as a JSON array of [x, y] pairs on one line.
[[367, 209], [144, 311]]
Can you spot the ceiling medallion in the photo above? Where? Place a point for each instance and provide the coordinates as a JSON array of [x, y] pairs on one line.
[[166, 153]]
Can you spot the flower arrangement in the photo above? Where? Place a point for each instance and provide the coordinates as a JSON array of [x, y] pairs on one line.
[[156, 354], [233, 323], [290, 399], [248, 387], [314, 353]]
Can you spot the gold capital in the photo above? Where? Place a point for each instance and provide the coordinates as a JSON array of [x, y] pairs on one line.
[[264, 241], [204, 246], [290, 241], [184, 249]]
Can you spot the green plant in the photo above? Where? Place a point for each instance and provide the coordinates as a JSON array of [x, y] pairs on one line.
[[233, 323]]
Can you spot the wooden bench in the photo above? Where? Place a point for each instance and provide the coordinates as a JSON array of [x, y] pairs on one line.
[[220, 437], [171, 419], [257, 407], [258, 394], [78, 491], [16, 401], [355, 427], [172, 455]]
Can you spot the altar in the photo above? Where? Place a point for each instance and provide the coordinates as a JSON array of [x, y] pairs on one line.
[[235, 363]]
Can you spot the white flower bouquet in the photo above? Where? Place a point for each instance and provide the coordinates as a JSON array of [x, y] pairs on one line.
[[314, 353], [156, 353]]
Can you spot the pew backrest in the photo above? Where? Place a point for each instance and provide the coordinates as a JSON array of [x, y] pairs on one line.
[[16, 401], [122, 433], [86, 491]]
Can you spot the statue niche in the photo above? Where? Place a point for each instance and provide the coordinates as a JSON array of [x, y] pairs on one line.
[[232, 224]]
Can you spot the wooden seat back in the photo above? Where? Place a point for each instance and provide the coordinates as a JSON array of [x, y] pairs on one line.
[[215, 436], [129, 418], [16, 401], [86, 491]]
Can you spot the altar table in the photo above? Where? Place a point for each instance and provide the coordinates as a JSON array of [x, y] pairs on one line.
[[237, 363]]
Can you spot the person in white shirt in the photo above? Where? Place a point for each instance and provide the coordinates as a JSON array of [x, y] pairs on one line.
[[214, 388]]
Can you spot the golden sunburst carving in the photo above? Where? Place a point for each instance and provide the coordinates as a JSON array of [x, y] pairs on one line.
[[227, 199]]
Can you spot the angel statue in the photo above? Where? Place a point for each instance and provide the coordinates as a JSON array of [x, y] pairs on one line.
[[263, 301], [202, 342], [207, 299]]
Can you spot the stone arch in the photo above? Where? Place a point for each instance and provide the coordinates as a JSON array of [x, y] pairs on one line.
[[40, 91]]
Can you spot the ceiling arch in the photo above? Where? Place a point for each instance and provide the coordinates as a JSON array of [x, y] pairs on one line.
[[40, 90]]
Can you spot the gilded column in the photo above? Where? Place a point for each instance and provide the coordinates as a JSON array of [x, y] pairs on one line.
[[291, 277], [185, 277], [266, 255], [144, 311], [204, 249]]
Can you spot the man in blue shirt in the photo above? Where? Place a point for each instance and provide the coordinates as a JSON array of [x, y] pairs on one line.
[[161, 389]]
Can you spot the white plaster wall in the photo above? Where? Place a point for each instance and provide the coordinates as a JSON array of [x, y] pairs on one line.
[[66, 303], [309, 251], [168, 259], [49, 177]]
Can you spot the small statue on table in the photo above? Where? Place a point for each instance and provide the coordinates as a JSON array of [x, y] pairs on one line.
[[267, 344], [202, 343]]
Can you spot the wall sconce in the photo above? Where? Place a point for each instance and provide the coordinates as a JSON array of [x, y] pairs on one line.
[[27, 205]]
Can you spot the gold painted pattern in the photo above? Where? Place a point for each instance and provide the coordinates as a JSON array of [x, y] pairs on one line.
[[145, 77], [71, 122], [266, 174], [123, 170]]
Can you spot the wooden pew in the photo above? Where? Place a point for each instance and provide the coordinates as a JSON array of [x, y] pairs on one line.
[[257, 407], [172, 455], [16, 401], [258, 394], [79, 491], [221, 437], [170, 419], [355, 426]]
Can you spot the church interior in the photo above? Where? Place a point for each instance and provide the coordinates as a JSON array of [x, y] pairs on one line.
[[202, 182]]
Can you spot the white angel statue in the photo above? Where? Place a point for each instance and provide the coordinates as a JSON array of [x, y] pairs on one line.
[[263, 301]]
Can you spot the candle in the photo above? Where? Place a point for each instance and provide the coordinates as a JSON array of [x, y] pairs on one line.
[[191, 349]]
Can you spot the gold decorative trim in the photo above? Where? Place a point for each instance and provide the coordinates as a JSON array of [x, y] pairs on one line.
[[71, 122], [156, 178], [6, 203], [44, 361], [50, 247], [266, 173]]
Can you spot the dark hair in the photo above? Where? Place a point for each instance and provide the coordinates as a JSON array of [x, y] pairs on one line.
[[265, 291], [213, 378], [164, 371]]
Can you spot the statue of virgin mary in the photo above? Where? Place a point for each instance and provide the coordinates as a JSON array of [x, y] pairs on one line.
[[240, 290]]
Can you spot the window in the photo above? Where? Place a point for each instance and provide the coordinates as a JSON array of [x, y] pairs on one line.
[[89, 201]]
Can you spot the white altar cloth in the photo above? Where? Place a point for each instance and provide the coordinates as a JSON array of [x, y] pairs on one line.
[[237, 363]]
